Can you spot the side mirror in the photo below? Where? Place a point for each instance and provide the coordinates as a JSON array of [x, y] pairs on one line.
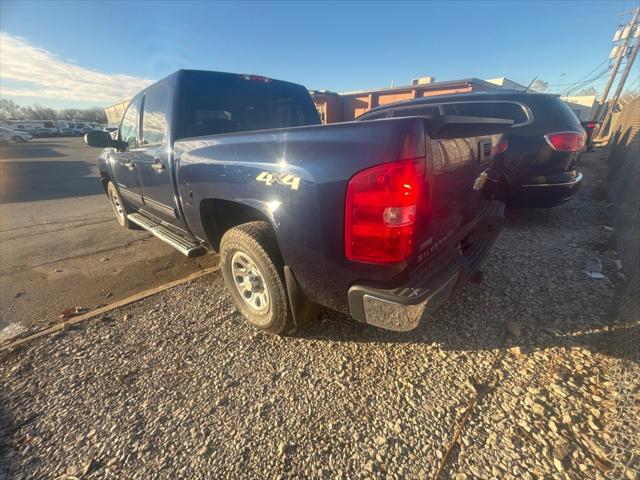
[[101, 139]]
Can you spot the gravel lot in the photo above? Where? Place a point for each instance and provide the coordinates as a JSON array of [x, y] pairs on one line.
[[508, 380]]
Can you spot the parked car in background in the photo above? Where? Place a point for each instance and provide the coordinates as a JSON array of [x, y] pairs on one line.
[[15, 135], [589, 128], [545, 142], [29, 126], [358, 217], [66, 132], [4, 139], [76, 129], [45, 132]]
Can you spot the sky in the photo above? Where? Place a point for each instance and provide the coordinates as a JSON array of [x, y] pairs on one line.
[[79, 54]]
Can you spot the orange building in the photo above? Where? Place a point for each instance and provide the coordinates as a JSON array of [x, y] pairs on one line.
[[343, 107]]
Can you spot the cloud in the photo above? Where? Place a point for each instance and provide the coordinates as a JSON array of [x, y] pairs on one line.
[[48, 76]]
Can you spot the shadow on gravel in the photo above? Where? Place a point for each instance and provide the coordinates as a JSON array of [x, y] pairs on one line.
[[9, 456], [452, 332], [476, 318]]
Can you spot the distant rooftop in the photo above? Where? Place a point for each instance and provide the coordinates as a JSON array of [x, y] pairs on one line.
[[426, 86]]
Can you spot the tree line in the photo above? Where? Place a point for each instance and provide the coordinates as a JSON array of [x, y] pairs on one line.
[[11, 110]]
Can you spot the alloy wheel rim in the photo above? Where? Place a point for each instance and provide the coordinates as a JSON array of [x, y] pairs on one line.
[[249, 282], [115, 201]]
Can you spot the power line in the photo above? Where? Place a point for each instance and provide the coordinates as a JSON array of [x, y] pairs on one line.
[[581, 79], [585, 83], [632, 84]]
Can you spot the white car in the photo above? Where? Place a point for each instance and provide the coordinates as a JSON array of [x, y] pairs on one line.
[[15, 135], [4, 139]]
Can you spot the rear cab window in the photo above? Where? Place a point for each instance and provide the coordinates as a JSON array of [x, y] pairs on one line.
[[220, 103]]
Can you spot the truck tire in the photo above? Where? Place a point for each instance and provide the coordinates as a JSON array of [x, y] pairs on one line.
[[119, 208], [253, 271]]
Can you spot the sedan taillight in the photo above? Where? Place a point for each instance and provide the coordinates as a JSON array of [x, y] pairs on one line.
[[566, 141], [380, 211], [500, 147]]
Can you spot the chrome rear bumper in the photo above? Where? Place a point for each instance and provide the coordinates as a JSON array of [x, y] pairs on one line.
[[403, 308]]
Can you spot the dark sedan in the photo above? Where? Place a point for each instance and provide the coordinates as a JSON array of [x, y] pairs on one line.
[[545, 142]]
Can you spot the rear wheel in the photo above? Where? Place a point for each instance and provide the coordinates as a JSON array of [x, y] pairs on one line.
[[253, 271], [118, 206]]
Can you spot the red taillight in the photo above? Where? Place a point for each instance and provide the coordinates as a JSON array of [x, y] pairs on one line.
[[591, 126], [500, 147], [566, 141], [380, 211]]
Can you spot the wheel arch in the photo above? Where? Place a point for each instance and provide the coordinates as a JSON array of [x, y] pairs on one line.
[[105, 178], [219, 215]]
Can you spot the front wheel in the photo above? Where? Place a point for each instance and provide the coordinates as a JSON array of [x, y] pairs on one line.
[[252, 268], [18, 139], [118, 206]]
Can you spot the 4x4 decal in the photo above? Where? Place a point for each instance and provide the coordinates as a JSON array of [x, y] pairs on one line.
[[286, 179]]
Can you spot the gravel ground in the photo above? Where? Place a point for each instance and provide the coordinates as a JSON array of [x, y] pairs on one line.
[[508, 380]]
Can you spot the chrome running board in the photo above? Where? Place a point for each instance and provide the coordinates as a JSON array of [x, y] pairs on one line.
[[184, 245]]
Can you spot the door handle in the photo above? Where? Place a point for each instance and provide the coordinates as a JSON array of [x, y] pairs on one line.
[[158, 166], [130, 165]]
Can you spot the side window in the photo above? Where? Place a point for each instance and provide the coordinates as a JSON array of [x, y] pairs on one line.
[[417, 111], [450, 109], [511, 111], [129, 125], [375, 116], [154, 116]]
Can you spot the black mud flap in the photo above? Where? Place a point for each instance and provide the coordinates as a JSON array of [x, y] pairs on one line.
[[303, 310]]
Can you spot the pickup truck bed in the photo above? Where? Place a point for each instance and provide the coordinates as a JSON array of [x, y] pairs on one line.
[[309, 221], [362, 217]]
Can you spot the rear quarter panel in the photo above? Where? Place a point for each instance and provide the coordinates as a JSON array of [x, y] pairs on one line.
[[308, 220]]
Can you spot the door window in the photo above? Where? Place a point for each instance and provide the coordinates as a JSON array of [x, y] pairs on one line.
[[154, 116], [129, 125]]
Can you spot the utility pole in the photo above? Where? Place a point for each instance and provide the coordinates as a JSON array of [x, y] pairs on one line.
[[614, 71], [616, 96]]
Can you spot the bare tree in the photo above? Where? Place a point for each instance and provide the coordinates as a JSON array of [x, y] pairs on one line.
[[540, 86], [38, 112], [587, 91], [9, 109]]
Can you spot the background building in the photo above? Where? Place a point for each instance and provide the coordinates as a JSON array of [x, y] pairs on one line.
[[115, 112], [343, 107], [582, 105]]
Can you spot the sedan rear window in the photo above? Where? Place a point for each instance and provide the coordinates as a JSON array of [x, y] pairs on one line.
[[564, 112]]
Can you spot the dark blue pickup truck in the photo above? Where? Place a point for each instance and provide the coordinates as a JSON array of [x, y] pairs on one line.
[[382, 220]]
